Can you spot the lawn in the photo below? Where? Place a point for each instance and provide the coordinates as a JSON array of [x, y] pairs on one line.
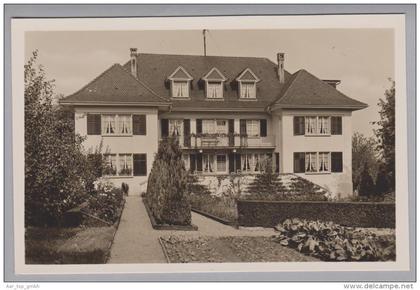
[[228, 249], [81, 245]]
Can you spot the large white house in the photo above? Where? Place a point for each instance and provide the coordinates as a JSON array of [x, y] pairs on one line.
[[229, 113]]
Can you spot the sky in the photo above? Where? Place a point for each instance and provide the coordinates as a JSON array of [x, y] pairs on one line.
[[363, 59]]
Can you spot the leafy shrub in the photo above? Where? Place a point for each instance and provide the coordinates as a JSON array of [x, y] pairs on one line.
[[107, 201], [332, 242], [167, 195]]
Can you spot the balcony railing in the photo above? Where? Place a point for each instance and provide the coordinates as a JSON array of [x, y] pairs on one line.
[[225, 141]]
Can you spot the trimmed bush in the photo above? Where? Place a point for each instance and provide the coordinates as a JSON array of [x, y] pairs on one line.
[[254, 213], [167, 195], [332, 242]]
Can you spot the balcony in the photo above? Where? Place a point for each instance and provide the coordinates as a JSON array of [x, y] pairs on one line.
[[203, 141]]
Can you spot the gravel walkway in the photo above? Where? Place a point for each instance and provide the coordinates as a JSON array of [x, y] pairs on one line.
[[137, 242]]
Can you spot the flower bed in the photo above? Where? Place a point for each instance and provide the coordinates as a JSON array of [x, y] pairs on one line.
[[227, 250], [332, 242]]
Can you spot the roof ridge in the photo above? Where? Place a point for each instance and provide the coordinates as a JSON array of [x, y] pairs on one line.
[[197, 55], [143, 84]]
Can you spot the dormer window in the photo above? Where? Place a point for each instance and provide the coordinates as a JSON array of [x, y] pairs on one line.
[[180, 83], [214, 84], [247, 84]]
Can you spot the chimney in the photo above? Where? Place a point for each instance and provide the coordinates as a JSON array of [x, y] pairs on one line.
[[280, 67], [133, 61]]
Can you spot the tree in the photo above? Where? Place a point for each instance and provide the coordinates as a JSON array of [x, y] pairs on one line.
[[366, 186], [363, 152], [55, 166], [386, 134], [381, 182], [167, 192]]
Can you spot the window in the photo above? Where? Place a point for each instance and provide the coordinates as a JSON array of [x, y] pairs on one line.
[[175, 127], [310, 162], [124, 124], [116, 124], [186, 160], [310, 125], [208, 163], [110, 165], [314, 125], [317, 162], [247, 84], [248, 90], [214, 90], [125, 166], [324, 162], [323, 125], [221, 163], [221, 126], [253, 162], [180, 89], [109, 124], [209, 127], [253, 127]]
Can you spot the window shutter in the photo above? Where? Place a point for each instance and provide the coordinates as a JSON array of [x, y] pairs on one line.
[[299, 162], [231, 128], [187, 132], [263, 128], [199, 162], [139, 164], [192, 162], [238, 161], [93, 124], [164, 126], [277, 162], [231, 162], [299, 125], [242, 127], [336, 126], [139, 124], [336, 161], [199, 126]]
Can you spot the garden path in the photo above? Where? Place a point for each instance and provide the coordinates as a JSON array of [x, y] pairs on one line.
[[137, 242]]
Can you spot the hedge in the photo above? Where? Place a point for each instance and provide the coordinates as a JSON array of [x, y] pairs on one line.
[[252, 213]]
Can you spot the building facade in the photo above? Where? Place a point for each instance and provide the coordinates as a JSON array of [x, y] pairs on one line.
[[230, 114]]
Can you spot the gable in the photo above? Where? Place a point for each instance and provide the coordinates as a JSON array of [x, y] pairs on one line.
[[180, 74], [247, 75], [215, 75]]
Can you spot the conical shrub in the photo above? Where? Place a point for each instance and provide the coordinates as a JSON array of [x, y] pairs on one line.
[[167, 192]]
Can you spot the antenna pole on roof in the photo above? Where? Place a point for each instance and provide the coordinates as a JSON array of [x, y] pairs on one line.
[[204, 38]]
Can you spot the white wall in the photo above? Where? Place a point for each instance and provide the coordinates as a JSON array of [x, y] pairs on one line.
[[147, 144], [340, 184]]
